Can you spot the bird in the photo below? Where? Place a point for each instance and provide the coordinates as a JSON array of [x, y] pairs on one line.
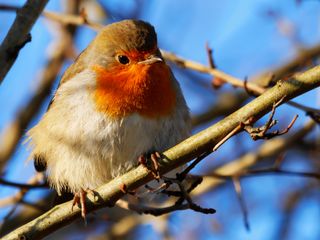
[[118, 101]]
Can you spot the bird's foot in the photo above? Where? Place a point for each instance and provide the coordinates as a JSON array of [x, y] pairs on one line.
[[125, 190], [80, 200], [151, 162]]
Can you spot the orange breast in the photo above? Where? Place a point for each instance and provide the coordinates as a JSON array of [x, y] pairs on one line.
[[137, 88]]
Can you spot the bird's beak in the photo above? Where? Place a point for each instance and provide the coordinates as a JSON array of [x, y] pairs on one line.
[[151, 59]]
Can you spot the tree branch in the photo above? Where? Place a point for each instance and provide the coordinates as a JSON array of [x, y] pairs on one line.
[[235, 82], [230, 102], [268, 149], [187, 150], [19, 34], [63, 18]]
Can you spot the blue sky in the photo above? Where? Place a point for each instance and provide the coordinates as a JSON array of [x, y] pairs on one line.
[[246, 41]]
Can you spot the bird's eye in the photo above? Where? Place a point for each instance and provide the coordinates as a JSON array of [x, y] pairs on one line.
[[123, 59]]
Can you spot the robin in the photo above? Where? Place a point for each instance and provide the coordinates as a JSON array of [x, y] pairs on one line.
[[119, 100]]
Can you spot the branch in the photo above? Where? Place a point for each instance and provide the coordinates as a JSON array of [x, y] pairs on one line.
[[232, 101], [268, 149], [155, 211], [25, 214], [19, 195], [63, 18], [108, 194], [77, 20], [184, 63], [19, 34], [23, 185], [278, 171], [238, 189], [235, 82]]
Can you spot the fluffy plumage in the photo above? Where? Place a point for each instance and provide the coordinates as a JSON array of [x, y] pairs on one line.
[[81, 141]]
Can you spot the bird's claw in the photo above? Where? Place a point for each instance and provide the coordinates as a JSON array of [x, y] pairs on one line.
[[80, 200], [152, 165]]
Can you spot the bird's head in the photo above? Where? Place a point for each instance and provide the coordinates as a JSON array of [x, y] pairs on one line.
[[131, 74]]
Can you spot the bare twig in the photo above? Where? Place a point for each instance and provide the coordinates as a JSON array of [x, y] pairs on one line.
[[234, 131], [215, 72], [23, 185], [26, 213], [257, 172], [270, 148], [264, 171], [216, 82], [261, 132], [238, 190], [272, 170], [210, 57], [256, 89], [183, 193], [227, 104], [19, 34], [16, 198], [181, 176], [63, 18], [155, 211], [191, 204], [314, 116], [67, 19], [248, 91]]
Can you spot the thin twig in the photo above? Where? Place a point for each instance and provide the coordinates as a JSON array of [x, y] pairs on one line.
[[228, 78], [263, 172], [234, 131], [225, 105], [23, 185], [314, 116], [16, 198], [243, 206], [78, 20], [155, 211], [260, 172], [210, 57], [181, 176], [261, 132], [184, 196], [63, 18], [268, 149]]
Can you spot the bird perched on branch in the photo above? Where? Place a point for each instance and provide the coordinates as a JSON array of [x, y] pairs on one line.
[[119, 100]]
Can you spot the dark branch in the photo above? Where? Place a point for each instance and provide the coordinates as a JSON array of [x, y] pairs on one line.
[[19, 34]]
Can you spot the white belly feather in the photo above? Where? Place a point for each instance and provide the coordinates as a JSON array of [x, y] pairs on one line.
[[84, 148]]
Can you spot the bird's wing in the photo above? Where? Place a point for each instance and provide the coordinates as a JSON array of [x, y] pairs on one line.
[[40, 162], [71, 71]]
